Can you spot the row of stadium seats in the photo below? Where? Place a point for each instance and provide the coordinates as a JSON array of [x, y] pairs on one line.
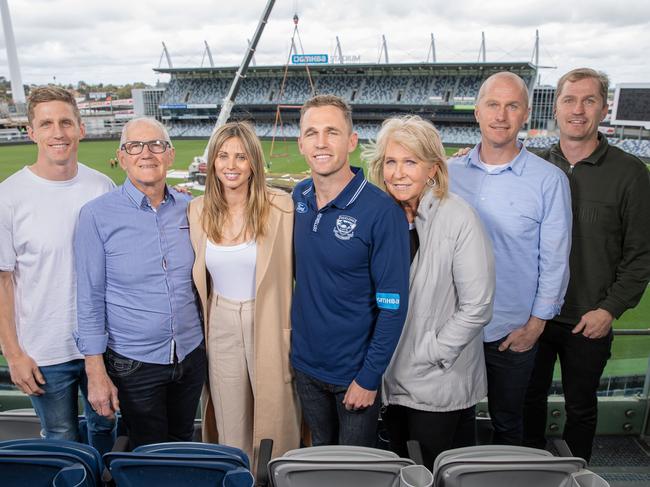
[[366, 130], [454, 135], [416, 90], [67, 464]]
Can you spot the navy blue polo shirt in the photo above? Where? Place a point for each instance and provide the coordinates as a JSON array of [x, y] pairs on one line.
[[352, 277]]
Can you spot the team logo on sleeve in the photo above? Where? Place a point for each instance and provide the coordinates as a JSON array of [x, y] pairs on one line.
[[301, 207], [345, 225], [387, 300]]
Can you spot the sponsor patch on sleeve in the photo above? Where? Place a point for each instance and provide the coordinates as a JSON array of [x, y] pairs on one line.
[[387, 300]]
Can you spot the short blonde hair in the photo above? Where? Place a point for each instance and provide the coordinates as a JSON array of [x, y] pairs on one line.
[[416, 135]]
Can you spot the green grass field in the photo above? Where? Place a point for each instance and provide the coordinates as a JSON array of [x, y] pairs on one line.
[[629, 355]]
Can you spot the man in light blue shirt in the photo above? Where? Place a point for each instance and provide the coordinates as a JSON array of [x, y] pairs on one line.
[[138, 318], [524, 203]]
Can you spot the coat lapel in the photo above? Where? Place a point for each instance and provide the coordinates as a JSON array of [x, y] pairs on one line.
[[265, 247]]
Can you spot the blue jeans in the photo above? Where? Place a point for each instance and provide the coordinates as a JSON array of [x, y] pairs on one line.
[[329, 421], [158, 402], [58, 407], [508, 374]]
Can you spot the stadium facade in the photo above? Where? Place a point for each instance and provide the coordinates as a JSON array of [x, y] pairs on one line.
[[270, 96], [442, 92]]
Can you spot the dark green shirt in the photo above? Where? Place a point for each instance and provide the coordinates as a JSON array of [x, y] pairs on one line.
[[610, 253]]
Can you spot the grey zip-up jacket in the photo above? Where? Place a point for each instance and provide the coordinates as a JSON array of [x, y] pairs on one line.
[[438, 364]]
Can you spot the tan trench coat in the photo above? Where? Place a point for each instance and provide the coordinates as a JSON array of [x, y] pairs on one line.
[[276, 414]]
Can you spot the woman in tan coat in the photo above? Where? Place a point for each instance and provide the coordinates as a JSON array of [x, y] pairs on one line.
[[241, 232]]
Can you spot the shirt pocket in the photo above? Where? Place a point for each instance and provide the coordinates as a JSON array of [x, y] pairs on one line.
[[595, 218]]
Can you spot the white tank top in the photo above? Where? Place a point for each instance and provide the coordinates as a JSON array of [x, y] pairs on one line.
[[232, 269]]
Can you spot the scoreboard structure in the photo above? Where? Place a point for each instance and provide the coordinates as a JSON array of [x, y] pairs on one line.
[[631, 105]]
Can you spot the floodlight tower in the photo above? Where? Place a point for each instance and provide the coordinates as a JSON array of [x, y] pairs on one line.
[[165, 53], [338, 51], [481, 51], [432, 50], [383, 50], [208, 52], [17, 90]]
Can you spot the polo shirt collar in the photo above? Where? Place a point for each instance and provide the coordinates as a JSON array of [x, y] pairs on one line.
[[516, 165], [594, 158], [139, 198], [346, 197]]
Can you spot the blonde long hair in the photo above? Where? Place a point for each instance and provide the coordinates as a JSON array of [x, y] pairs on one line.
[[416, 135], [215, 206]]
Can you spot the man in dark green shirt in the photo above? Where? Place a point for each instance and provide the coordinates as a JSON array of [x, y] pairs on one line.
[[609, 262]]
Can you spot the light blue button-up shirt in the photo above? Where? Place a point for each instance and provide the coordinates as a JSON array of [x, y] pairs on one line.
[[526, 209], [134, 277]]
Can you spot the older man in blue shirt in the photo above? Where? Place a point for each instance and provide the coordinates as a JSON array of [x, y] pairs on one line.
[[525, 205], [138, 319]]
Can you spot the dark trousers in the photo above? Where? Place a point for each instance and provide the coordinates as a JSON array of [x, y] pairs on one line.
[[158, 402], [329, 421], [435, 431], [508, 374], [582, 361]]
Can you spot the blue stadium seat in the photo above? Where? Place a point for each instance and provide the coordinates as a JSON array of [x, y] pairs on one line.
[[171, 464], [75, 453], [19, 468], [195, 448]]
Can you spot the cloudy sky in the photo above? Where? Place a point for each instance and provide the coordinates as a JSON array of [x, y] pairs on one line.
[[119, 41]]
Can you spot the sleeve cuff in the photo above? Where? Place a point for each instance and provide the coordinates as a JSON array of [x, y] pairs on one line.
[[368, 380], [545, 311], [91, 344], [613, 307]]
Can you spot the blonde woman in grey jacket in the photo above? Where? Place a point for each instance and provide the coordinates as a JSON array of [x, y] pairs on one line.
[[437, 374]]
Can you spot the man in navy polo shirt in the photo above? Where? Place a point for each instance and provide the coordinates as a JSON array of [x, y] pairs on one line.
[[352, 263]]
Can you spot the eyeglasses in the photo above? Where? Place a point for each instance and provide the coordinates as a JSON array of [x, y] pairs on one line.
[[135, 147]]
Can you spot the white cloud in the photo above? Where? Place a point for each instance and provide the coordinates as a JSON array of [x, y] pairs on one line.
[[120, 41]]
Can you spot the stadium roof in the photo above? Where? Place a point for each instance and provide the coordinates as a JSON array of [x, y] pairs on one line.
[[521, 68]]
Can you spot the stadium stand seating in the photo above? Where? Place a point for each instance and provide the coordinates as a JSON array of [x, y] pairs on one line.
[[343, 466], [388, 90], [37, 462], [498, 465], [173, 464]]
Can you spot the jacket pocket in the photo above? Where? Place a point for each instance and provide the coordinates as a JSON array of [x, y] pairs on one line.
[[429, 350]]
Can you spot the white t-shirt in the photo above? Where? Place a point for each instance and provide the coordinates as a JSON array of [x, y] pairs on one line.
[[232, 269], [38, 218]]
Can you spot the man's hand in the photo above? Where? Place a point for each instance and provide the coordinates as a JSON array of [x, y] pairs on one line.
[[463, 151], [358, 398], [102, 394], [183, 189], [594, 324], [25, 374], [524, 338]]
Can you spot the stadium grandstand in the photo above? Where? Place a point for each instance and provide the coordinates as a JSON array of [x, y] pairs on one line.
[[444, 93], [270, 95]]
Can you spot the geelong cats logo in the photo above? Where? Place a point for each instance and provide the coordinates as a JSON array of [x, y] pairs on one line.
[[345, 225]]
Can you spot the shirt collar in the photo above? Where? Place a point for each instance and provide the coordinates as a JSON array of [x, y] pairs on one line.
[[346, 197], [516, 165], [594, 158], [139, 198]]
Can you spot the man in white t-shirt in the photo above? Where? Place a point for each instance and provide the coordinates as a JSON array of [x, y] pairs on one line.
[[39, 206]]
